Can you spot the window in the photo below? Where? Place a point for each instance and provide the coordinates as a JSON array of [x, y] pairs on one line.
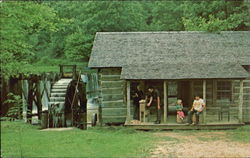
[[224, 90]]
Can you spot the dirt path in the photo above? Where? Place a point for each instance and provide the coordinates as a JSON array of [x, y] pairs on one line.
[[203, 144], [58, 129]]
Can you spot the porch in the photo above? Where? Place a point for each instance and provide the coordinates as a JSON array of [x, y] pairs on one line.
[[223, 98], [176, 126]]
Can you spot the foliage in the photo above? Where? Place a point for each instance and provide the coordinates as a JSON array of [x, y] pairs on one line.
[[20, 22], [166, 15], [34, 31], [16, 109], [215, 16], [23, 139]]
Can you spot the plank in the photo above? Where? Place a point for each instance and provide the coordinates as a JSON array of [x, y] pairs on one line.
[[117, 90], [204, 98], [246, 83], [114, 111], [111, 71], [110, 77], [128, 101], [112, 97], [113, 84], [240, 101], [113, 119], [116, 103], [245, 90], [165, 85], [184, 127]]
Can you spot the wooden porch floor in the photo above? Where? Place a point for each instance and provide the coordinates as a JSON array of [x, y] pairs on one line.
[[176, 126]]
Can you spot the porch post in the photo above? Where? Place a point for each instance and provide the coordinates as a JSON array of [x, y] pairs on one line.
[[165, 114], [240, 101], [204, 98], [128, 101]]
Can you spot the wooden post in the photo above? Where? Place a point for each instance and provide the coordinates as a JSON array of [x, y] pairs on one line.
[[240, 101], [128, 101], [39, 99], [30, 100], [61, 70], [191, 93], [214, 92], [204, 98], [165, 85], [74, 72]]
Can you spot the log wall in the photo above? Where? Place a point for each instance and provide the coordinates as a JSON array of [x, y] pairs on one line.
[[112, 96], [214, 105], [246, 98]]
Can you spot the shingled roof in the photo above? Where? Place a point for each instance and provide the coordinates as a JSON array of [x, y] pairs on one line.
[[173, 55]]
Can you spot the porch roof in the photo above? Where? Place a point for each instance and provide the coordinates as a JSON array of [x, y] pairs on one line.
[[184, 71]]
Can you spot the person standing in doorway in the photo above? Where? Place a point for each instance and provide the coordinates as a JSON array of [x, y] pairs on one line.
[[153, 98], [197, 108], [137, 96]]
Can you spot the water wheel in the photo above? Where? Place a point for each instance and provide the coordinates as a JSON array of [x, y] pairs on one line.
[[68, 104], [56, 104]]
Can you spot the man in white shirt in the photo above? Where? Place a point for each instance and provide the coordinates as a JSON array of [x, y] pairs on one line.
[[197, 108]]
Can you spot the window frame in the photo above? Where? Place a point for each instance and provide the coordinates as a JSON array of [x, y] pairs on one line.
[[229, 91]]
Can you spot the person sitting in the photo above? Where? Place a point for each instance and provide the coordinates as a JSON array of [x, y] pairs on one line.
[[197, 108], [179, 110]]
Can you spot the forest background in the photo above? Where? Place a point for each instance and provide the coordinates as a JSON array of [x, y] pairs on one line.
[[37, 36]]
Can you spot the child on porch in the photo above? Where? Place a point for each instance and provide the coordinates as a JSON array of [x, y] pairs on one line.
[[179, 108]]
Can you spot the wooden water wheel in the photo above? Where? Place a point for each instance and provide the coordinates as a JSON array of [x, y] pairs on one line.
[[57, 103], [68, 104]]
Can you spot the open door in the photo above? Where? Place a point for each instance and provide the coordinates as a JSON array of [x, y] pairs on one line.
[[178, 90]]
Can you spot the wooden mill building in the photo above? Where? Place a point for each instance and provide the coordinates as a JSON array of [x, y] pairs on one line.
[[179, 64]]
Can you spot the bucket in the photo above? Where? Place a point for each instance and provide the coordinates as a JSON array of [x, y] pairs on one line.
[[44, 119]]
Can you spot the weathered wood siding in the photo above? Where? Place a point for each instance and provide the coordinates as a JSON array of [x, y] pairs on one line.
[[246, 97], [112, 96], [214, 105]]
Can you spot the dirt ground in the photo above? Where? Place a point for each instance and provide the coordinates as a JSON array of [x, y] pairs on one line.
[[57, 129], [203, 144]]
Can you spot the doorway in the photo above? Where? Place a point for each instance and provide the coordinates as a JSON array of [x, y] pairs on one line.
[[179, 90]]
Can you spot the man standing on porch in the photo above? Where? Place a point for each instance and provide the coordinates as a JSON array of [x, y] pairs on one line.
[[154, 99], [197, 108], [137, 96]]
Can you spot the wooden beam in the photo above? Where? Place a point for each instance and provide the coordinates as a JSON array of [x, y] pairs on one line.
[[191, 93], [128, 101], [204, 98], [165, 112], [214, 92], [240, 101]]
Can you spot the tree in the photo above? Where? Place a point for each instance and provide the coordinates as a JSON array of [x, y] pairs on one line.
[[20, 21], [216, 16], [166, 16]]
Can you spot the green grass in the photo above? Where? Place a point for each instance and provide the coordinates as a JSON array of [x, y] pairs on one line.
[[241, 134], [23, 140]]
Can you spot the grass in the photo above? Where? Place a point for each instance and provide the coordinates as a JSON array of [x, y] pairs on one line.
[[241, 134], [23, 140]]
